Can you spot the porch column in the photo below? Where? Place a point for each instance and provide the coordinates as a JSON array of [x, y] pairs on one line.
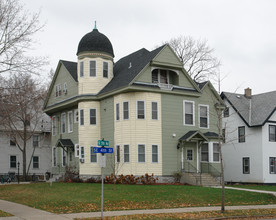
[[197, 157], [182, 158]]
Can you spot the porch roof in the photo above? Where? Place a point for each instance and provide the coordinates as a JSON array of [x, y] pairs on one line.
[[65, 143], [196, 135]]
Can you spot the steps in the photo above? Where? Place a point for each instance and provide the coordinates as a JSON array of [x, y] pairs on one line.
[[199, 179]]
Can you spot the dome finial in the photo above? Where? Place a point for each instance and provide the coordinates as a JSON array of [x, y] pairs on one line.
[[95, 26]]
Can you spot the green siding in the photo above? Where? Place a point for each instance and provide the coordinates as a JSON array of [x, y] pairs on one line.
[[167, 56]]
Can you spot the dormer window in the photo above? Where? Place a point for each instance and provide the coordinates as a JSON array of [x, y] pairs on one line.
[[105, 69], [160, 76]]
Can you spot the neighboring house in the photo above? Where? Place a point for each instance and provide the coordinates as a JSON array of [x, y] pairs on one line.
[[38, 150], [157, 119], [249, 123]]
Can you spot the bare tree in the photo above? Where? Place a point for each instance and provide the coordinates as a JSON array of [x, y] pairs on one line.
[[17, 28], [197, 57], [21, 111]]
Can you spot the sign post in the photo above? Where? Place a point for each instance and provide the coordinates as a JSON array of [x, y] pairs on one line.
[[103, 150]]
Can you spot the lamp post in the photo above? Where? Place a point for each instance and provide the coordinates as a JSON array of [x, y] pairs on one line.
[[18, 165]]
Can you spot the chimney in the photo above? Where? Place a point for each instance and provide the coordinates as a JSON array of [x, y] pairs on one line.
[[247, 93]]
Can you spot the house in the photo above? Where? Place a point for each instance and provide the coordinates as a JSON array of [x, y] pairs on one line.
[[249, 123], [157, 119]]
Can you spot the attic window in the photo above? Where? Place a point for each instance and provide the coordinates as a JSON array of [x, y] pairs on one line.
[[160, 76]]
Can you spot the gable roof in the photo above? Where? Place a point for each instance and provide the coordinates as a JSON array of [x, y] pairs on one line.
[[254, 111], [72, 68]]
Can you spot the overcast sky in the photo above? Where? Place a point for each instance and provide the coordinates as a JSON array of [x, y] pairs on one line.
[[242, 32]]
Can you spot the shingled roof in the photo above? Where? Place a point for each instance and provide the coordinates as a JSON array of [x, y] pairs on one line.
[[254, 110]]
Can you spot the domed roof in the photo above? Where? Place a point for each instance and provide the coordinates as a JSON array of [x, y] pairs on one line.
[[95, 41]]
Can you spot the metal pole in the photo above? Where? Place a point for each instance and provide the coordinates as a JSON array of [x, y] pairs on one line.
[[102, 193]]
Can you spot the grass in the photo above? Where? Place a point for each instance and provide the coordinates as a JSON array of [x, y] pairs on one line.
[[4, 214], [257, 187], [85, 197], [232, 214]]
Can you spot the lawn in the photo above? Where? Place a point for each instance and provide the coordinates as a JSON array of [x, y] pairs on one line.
[[257, 187], [86, 197]]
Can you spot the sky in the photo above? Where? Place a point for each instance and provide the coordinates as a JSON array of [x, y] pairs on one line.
[[241, 32]]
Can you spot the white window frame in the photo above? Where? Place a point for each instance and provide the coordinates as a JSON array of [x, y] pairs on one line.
[[93, 154], [154, 153], [54, 156], [63, 121], [143, 110], [65, 88], [126, 110], [156, 110], [126, 154], [70, 125], [54, 126], [138, 153], [58, 90], [216, 152], [82, 152], [207, 109], [93, 116], [117, 112], [77, 150], [184, 112], [81, 66], [189, 149], [37, 162], [76, 116], [243, 165], [80, 118], [90, 62], [104, 62], [36, 135]]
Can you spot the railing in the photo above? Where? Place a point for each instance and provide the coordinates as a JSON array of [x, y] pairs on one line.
[[165, 86], [209, 168], [189, 168]]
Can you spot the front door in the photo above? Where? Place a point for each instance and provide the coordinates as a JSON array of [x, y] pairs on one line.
[[189, 157]]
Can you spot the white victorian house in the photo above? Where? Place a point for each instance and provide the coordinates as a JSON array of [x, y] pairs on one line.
[[249, 128]]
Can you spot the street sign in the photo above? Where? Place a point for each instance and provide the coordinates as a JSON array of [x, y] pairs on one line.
[[102, 161], [103, 150], [103, 143]]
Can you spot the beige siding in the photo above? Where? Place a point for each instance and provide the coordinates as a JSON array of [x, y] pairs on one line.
[[138, 131]]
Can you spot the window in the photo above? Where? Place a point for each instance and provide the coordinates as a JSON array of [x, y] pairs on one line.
[[154, 153], [160, 76], [70, 122], [223, 135], [81, 117], [204, 152], [65, 88], [105, 69], [12, 140], [35, 162], [54, 156], [154, 110], [226, 112], [76, 116], [126, 153], [189, 154], [63, 158], [81, 69], [272, 165], [63, 123], [118, 153], [188, 113], [93, 156], [58, 90], [272, 133], [154, 76], [163, 76], [70, 156], [117, 111], [82, 153], [54, 126], [141, 153], [92, 68], [12, 161], [203, 116], [245, 165], [77, 150], [216, 156], [35, 140], [241, 133], [93, 117], [140, 109], [125, 111]]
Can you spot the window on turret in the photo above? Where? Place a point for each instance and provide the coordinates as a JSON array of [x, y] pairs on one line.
[[92, 68], [81, 69], [105, 69]]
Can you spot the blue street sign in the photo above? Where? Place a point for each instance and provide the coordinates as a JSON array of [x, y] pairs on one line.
[[103, 143], [103, 150]]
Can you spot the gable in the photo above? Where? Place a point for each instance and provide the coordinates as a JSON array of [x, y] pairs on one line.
[[62, 76], [168, 58]]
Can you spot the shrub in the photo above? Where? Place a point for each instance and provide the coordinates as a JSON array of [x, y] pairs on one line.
[[131, 179]]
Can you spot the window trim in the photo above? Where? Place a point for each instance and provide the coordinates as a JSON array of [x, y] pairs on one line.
[[58, 89], [36, 135], [243, 167], [68, 121], [93, 117], [82, 152], [91, 153], [157, 116], [54, 126], [269, 139], [13, 167], [61, 124], [117, 111], [199, 116], [138, 153], [37, 162], [208, 160], [126, 154], [104, 62], [217, 152], [92, 61], [124, 110], [184, 112], [144, 109], [274, 166], [240, 140], [157, 147], [81, 119]]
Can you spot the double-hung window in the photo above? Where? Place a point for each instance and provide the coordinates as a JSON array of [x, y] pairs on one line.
[[216, 154], [76, 116], [35, 140], [125, 111], [205, 152], [226, 112], [63, 122], [188, 113], [241, 134], [70, 122], [81, 117], [81, 69], [272, 133], [118, 153], [203, 116], [58, 90], [140, 109], [82, 152], [105, 69], [12, 161], [141, 153], [54, 126], [245, 165], [93, 116], [154, 110], [154, 153], [92, 68], [35, 162], [272, 165], [93, 156], [126, 153], [117, 111]]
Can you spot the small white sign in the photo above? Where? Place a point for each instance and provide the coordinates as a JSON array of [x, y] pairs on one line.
[[102, 161]]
